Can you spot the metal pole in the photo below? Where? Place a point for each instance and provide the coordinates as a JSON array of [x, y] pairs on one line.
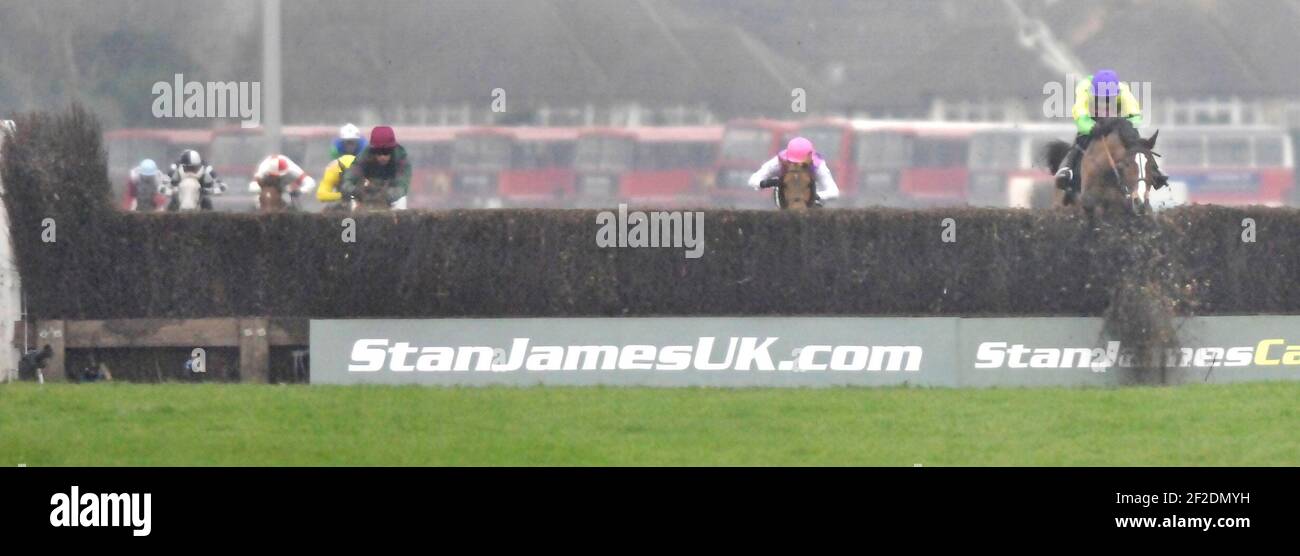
[[272, 118]]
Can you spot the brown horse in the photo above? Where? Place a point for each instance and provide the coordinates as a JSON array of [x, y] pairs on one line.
[[796, 191], [1118, 170], [371, 197], [271, 196]]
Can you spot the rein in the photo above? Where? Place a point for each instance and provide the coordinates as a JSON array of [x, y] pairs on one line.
[[1128, 193], [1113, 167]]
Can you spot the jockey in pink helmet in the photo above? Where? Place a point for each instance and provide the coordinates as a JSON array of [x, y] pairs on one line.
[[798, 151]]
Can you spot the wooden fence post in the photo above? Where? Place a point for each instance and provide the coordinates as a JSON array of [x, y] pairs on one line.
[[254, 351], [51, 332]]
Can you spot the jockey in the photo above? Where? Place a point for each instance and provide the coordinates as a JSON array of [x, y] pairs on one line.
[[190, 165], [383, 163], [329, 185], [1101, 95], [349, 141], [291, 178], [799, 150], [147, 183]]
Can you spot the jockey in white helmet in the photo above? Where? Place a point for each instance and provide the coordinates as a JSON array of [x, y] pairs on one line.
[[191, 165], [349, 141]]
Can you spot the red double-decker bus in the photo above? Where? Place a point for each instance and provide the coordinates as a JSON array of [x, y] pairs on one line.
[[672, 165], [1007, 167], [912, 164], [429, 148], [895, 163], [602, 158], [1252, 165], [834, 139], [664, 166], [513, 166], [746, 145]]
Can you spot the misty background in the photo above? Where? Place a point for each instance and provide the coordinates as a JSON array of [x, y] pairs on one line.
[[626, 62]]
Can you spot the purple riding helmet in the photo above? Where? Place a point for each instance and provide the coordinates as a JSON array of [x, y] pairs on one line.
[[1105, 83]]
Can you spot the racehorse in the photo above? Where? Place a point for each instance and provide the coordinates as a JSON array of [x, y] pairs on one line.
[[189, 194], [796, 191], [271, 197], [1118, 170], [370, 197]]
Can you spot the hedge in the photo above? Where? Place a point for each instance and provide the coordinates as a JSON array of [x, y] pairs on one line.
[[110, 264]]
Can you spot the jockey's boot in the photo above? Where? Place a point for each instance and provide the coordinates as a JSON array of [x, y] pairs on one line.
[[1063, 178], [1065, 175]]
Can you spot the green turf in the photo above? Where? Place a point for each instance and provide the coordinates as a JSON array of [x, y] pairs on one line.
[[178, 424]]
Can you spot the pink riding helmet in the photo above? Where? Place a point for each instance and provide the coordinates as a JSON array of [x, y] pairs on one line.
[[800, 150]]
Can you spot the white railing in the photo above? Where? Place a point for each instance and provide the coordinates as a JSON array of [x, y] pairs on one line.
[[10, 286]]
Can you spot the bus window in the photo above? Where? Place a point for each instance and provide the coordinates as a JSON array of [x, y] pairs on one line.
[[940, 153], [1230, 151], [1269, 152], [603, 154], [559, 154], [296, 149], [236, 150], [1183, 152], [692, 155], [125, 153], [668, 156], [651, 156], [527, 155], [704, 154], [826, 140], [429, 154], [482, 153], [994, 152], [317, 155], [883, 150], [747, 144]]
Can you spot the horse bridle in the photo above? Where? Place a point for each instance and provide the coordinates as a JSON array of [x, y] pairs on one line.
[[812, 187], [1114, 168]]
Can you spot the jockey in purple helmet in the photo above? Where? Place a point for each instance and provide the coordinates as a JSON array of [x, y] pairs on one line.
[[1101, 95], [799, 150]]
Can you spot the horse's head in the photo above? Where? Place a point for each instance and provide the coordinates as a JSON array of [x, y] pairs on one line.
[[1124, 165], [188, 193], [1140, 173], [371, 196], [270, 197], [796, 191]]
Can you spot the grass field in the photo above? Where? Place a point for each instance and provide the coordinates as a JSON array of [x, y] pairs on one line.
[[124, 424]]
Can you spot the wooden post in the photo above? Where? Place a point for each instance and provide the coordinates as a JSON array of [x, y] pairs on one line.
[[254, 351], [254, 337], [51, 332]]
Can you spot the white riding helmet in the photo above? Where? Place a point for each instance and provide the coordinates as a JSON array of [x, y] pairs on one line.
[[349, 132], [191, 158]]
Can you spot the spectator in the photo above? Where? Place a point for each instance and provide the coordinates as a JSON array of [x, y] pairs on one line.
[[29, 367]]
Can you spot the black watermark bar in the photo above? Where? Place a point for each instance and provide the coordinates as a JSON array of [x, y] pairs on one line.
[[326, 505]]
